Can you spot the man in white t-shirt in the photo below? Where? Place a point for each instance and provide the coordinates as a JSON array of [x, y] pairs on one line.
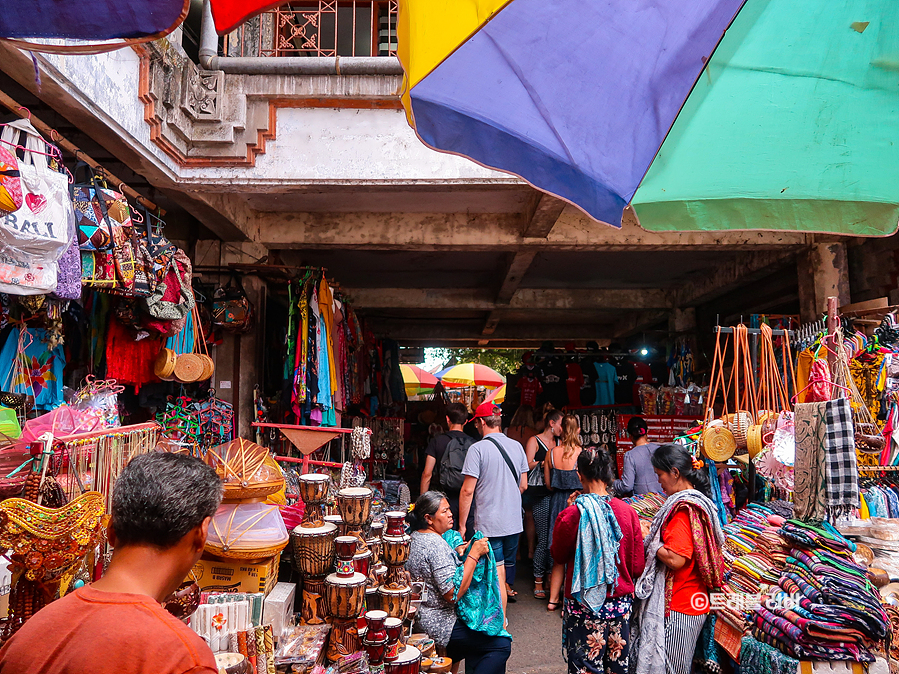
[[496, 475]]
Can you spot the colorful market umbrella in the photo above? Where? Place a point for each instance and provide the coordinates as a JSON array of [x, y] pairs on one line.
[[787, 124], [496, 396], [471, 374], [417, 381], [91, 20]]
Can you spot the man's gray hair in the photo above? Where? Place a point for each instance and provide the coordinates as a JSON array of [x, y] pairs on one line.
[[160, 497]]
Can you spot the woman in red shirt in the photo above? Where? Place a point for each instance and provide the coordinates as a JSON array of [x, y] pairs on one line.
[[599, 541], [686, 540]]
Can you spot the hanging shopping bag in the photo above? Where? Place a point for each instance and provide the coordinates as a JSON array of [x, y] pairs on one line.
[[9, 424], [231, 308], [68, 280], [100, 210], [10, 181], [40, 228]]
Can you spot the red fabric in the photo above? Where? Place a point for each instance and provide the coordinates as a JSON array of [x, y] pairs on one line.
[[530, 387], [630, 552], [62, 637], [229, 14], [678, 538], [127, 361], [573, 383]]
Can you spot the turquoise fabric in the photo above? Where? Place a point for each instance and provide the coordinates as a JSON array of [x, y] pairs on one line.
[[792, 126], [595, 558], [481, 607]]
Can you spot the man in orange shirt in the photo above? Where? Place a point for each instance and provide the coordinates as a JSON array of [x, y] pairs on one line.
[[161, 508]]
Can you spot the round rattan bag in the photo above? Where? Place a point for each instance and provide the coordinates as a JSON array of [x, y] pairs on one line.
[[188, 368], [718, 443], [164, 365], [739, 424], [754, 442], [208, 367]]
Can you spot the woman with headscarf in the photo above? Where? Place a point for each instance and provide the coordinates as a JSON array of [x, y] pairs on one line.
[[685, 541], [598, 539]]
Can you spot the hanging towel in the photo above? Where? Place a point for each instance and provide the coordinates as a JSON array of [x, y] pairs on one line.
[[598, 538]]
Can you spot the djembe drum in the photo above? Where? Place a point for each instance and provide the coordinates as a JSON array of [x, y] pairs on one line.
[[407, 661], [314, 492], [354, 504], [313, 549], [395, 600]]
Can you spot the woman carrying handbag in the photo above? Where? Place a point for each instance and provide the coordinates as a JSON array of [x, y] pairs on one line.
[[537, 496]]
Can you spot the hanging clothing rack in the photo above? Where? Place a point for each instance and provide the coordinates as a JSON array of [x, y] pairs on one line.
[[54, 136]]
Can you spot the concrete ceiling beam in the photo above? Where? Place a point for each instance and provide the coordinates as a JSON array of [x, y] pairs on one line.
[[472, 299], [574, 231], [732, 274], [429, 332], [542, 215], [637, 322]]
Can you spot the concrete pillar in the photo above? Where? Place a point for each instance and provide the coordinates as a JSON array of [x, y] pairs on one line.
[[823, 272], [248, 361]]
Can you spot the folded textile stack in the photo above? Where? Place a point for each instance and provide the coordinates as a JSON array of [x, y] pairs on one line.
[[827, 608], [753, 550], [646, 505]]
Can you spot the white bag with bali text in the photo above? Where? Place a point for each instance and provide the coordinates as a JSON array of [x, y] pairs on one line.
[[41, 230]]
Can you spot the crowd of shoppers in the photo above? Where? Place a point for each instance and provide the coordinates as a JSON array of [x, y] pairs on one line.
[[604, 574]]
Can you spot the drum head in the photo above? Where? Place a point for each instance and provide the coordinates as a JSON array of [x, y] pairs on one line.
[[355, 492], [325, 528], [315, 477]]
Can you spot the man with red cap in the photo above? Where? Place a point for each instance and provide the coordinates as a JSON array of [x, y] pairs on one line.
[[496, 475]]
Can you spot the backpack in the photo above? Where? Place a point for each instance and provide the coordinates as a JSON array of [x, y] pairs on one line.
[[451, 463]]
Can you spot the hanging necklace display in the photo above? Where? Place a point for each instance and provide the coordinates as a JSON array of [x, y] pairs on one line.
[[352, 473]]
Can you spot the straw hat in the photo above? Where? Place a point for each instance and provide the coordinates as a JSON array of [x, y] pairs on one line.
[[188, 368], [164, 365], [718, 443]]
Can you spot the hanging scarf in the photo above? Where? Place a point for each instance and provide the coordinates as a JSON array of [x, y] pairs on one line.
[[652, 586], [595, 558], [808, 474], [481, 607], [840, 469]]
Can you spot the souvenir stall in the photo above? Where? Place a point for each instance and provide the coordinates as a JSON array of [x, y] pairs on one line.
[[797, 587]]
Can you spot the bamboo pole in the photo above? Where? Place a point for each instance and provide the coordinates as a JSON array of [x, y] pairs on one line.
[[53, 136]]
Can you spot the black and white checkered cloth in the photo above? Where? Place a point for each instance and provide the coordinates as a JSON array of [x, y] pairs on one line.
[[840, 469]]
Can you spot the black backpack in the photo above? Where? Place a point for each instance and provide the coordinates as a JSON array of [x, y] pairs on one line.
[[451, 462]]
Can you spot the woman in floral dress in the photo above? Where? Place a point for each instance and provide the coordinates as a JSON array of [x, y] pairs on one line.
[[599, 540]]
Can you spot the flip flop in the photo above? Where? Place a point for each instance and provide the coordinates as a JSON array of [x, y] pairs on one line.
[[540, 594]]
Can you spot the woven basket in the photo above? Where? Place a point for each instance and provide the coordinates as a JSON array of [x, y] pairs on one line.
[[739, 424], [164, 366], [188, 368], [718, 443], [208, 367], [253, 556], [754, 442]]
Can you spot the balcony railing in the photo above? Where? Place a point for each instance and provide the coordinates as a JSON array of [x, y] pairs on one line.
[[326, 28]]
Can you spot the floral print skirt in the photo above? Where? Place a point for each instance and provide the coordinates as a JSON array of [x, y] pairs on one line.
[[596, 642]]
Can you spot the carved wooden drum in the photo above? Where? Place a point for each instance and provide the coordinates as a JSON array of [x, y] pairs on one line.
[[313, 606], [395, 600], [344, 597], [407, 662], [313, 549], [314, 487], [354, 504], [395, 549]]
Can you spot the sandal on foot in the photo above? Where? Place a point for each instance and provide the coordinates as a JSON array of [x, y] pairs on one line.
[[539, 591], [553, 606]]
